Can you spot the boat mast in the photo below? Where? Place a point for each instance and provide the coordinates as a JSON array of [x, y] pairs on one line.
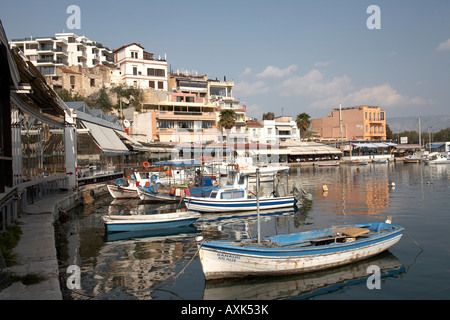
[[257, 204]]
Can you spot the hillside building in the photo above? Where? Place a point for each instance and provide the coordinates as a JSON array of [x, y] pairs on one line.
[[140, 69]]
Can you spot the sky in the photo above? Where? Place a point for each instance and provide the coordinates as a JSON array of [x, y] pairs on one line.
[[285, 56]]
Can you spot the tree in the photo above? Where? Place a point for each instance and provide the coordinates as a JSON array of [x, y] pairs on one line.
[[303, 121], [268, 116], [102, 101], [227, 120]]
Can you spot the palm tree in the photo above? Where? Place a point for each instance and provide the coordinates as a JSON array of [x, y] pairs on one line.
[[227, 120], [303, 121]]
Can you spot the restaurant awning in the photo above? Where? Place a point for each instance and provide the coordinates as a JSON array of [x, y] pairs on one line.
[[436, 145], [135, 145], [107, 140]]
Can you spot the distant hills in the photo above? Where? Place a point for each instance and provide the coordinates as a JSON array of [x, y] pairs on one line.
[[427, 123]]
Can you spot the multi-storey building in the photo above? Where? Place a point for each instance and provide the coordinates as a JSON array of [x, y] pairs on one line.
[[355, 123], [139, 68], [62, 50], [278, 130], [177, 117]]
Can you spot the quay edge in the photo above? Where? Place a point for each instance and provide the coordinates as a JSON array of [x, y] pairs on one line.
[[36, 251]]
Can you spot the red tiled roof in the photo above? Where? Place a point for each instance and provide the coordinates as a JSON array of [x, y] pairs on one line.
[[127, 45]]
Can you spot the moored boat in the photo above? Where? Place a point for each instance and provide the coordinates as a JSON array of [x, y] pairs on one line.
[[172, 194], [436, 158], [296, 253], [119, 190], [122, 223], [238, 197]]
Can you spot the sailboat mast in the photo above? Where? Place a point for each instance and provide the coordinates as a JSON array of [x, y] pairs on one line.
[[420, 135], [257, 204]]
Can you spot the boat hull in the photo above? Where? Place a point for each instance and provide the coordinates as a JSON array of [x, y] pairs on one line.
[[228, 261], [154, 222], [118, 192], [201, 204]]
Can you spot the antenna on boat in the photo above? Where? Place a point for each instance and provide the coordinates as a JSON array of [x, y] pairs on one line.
[[257, 204]]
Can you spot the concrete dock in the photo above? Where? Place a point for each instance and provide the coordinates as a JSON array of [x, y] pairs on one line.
[[36, 250]]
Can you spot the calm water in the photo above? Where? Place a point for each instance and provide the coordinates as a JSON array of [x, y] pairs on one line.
[[151, 266]]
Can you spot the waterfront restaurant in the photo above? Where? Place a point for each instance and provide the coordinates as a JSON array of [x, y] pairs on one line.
[[32, 143], [100, 152]]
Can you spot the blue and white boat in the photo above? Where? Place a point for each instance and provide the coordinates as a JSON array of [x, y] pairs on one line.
[[123, 223], [296, 253], [171, 194], [237, 197]]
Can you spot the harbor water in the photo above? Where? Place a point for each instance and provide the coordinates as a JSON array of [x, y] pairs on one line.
[[164, 265]]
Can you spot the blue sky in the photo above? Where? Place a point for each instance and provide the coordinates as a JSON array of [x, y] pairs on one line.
[[284, 56]]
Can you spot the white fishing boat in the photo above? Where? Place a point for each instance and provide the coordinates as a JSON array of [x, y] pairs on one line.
[[416, 157], [123, 189], [296, 253], [123, 223], [436, 158], [238, 197]]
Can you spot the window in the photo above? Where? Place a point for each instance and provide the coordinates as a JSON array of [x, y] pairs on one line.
[[160, 73], [382, 116], [165, 124], [150, 71], [134, 55], [72, 79], [135, 71], [185, 124], [92, 82], [151, 84], [206, 125], [160, 85]]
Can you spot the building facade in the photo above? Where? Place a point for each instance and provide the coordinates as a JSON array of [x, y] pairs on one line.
[[62, 50], [355, 123], [138, 68]]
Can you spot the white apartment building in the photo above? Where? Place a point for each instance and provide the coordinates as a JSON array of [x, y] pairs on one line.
[[138, 68], [82, 51], [62, 50], [274, 131]]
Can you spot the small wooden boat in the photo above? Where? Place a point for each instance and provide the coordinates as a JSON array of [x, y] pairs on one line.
[[121, 223], [296, 253], [118, 191], [328, 164]]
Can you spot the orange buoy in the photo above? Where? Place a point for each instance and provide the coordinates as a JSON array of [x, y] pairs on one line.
[[146, 164]]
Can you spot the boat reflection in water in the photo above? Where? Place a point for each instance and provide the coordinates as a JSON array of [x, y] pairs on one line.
[[302, 286]]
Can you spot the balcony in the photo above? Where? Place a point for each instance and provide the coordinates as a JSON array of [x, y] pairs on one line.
[[185, 115]]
